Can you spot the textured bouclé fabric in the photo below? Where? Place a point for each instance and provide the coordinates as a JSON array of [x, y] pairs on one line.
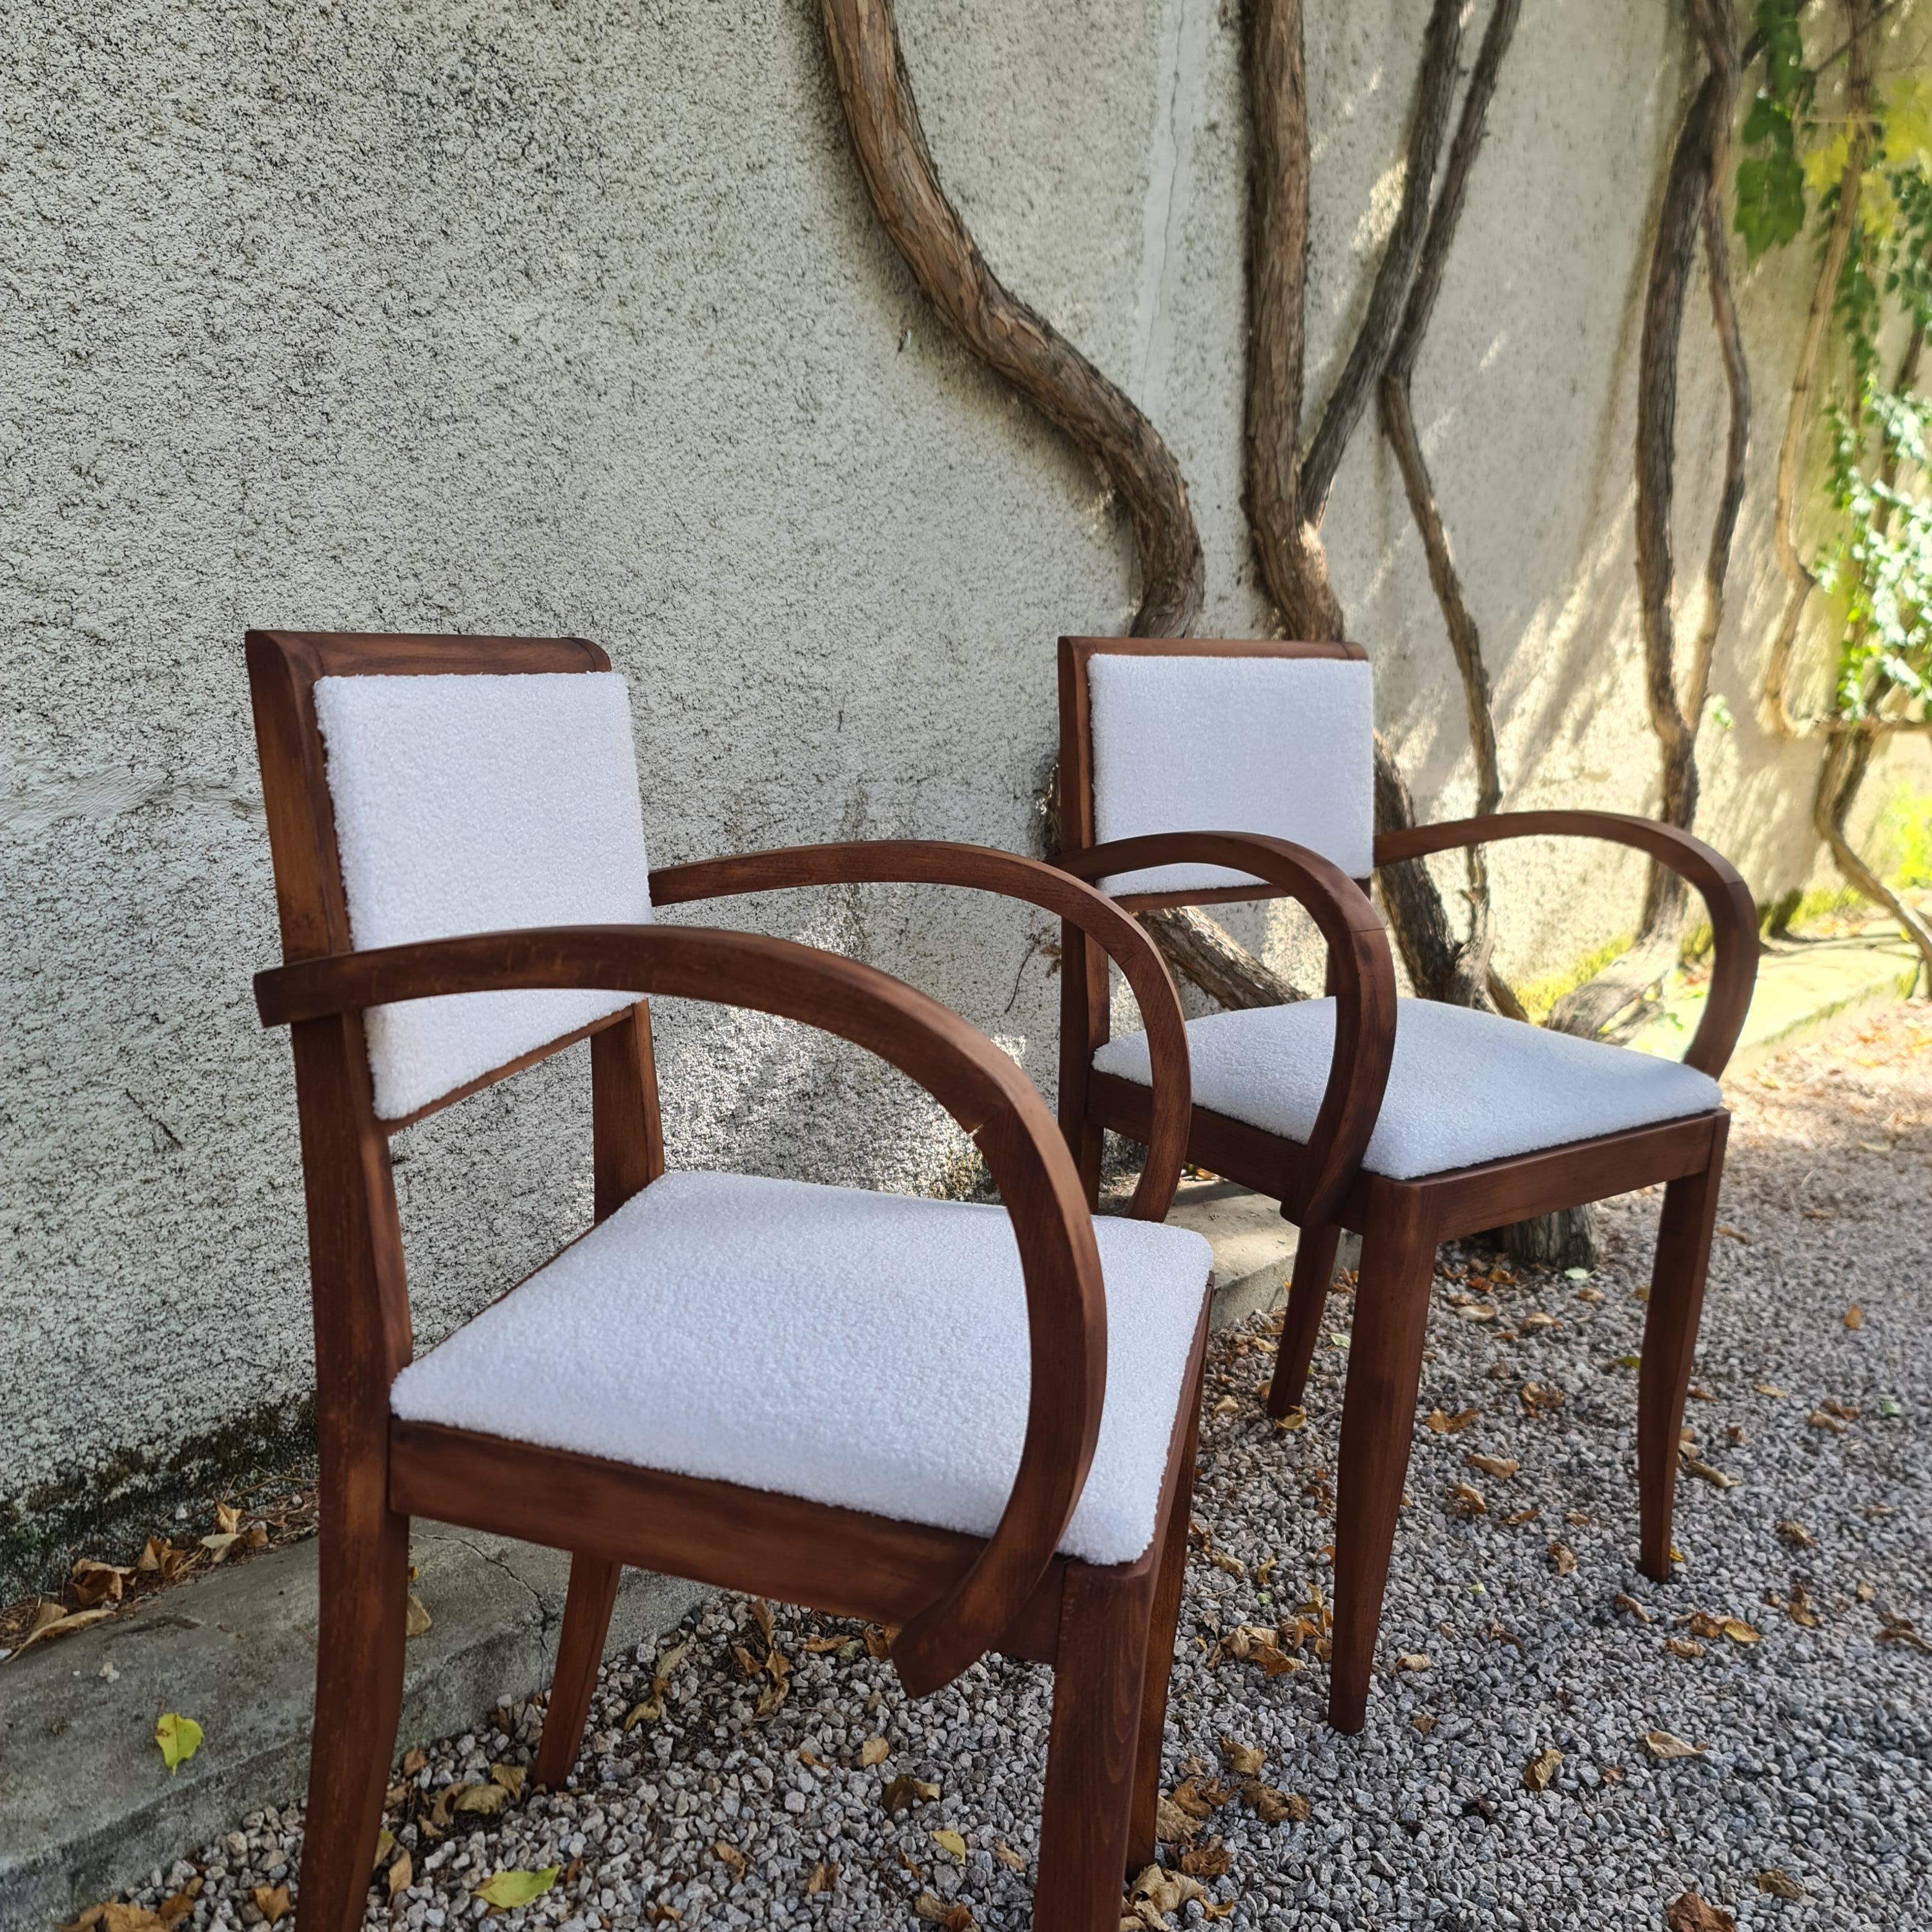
[[867, 1350], [1282, 746], [469, 804], [1463, 1087]]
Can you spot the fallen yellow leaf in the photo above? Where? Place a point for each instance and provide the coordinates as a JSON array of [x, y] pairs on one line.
[[509, 1888], [179, 1738]]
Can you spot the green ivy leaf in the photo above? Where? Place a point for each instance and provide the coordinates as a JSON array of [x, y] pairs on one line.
[[1771, 202]]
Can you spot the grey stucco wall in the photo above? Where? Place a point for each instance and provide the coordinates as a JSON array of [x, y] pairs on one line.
[[512, 317]]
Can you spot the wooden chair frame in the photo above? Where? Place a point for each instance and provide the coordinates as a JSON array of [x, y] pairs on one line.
[[1108, 1631], [1321, 1184]]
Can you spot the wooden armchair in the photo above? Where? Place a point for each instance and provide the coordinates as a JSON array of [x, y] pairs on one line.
[[730, 1379], [1433, 1121]]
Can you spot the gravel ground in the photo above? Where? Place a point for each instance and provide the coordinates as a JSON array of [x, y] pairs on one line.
[[1529, 1636]]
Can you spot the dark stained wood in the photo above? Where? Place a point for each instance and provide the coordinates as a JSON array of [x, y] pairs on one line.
[[983, 1089], [627, 1154], [1321, 1185], [1670, 1341], [981, 868], [1727, 899], [954, 1597], [1177, 1513], [844, 1562], [1358, 952], [1378, 1427], [626, 1134], [1086, 1816], [580, 1652], [363, 1572], [1309, 1283]]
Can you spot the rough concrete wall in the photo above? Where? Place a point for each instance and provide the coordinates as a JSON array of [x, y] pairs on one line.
[[492, 317]]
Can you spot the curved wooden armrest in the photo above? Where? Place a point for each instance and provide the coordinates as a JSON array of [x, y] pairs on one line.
[[1725, 896], [978, 1085], [984, 869], [1358, 950]]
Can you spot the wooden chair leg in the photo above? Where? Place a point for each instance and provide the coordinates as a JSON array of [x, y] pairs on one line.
[[364, 1566], [1091, 1750], [579, 1651], [1670, 1341], [1378, 1425], [1301, 1320], [1161, 1624]]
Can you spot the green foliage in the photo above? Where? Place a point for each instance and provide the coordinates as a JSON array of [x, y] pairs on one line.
[[1880, 563], [1771, 181], [1902, 837], [1876, 561]]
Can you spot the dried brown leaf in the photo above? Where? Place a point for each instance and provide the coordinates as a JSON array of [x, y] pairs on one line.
[[1501, 1467], [1666, 1747], [271, 1901], [1243, 1760], [1007, 1856], [1779, 1884], [1563, 1559], [733, 1860], [1541, 1768], [399, 1876], [899, 1793], [823, 1878], [173, 1909], [874, 1751], [1208, 1860], [1465, 1499], [97, 1582], [1274, 1807], [955, 1918], [46, 1628], [1690, 1913], [1450, 1425], [1631, 1603]]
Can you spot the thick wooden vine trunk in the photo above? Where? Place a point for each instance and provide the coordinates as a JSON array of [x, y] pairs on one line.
[[1464, 974], [862, 37], [1860, 72], [1019, 344], [1691, 190], [1691, 211]]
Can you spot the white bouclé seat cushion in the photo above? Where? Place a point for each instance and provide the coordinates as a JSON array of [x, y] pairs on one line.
[[467, 804], [860, 1349], [1280, 746], [1463, 1087]]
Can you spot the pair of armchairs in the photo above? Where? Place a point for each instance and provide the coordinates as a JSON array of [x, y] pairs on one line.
[[737, 1379]]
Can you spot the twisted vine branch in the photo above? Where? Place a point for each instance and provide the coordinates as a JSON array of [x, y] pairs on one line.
[[1013, 340], [1691, 212]]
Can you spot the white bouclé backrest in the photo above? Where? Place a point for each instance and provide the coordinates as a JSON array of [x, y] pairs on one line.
[[1279, 745], [470, 803]]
